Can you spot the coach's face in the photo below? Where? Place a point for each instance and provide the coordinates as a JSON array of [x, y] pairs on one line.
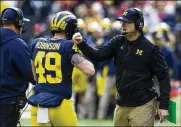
[[128, 27]]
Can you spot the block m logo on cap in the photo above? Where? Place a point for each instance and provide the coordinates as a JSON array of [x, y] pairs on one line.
[[125, 13]]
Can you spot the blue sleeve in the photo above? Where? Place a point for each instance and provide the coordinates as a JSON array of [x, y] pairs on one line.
[[172, 64], [175, 67], [33, 44], [111, 67], [71, 49], [21, 61]]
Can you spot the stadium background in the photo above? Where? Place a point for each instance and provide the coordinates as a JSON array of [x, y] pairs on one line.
[[96, 20]]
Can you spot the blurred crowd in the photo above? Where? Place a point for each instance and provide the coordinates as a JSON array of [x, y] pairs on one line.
[[95, 96]]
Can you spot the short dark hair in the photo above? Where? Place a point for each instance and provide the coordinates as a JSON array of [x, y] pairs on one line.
[[54, 32], [9, 23]]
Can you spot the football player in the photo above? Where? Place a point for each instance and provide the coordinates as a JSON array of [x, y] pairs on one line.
[[54, 59]]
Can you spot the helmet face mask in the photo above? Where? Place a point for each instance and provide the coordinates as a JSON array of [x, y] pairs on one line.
[[64, 22]]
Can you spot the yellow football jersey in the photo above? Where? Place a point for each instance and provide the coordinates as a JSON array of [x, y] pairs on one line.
[[101, 81]]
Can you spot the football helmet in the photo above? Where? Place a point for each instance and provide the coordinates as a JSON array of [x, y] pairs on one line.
[[64, 21]]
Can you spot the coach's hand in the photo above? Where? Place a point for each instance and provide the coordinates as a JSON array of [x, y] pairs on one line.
[[163, 114], [77, 38]]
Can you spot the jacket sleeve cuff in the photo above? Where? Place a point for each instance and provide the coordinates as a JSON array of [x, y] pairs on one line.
[[82, 45], [163, 106]]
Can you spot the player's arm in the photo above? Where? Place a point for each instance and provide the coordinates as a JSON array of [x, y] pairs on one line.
[[83, 64], [33, 69]]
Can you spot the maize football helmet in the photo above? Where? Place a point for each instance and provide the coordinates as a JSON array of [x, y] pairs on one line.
[[64, 21]]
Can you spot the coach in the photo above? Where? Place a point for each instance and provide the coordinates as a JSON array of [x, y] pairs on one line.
[[15, 67], [136, 60]]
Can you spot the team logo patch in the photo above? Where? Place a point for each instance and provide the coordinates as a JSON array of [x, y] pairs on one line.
[[125, 13], [139, 52]]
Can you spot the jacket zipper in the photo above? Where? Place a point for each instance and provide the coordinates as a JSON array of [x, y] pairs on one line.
[[129, 51]]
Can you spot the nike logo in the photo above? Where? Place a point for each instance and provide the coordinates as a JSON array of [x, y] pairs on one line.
[[121, 47]]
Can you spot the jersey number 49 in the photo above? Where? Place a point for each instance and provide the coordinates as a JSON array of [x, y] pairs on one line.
[[56, 67]]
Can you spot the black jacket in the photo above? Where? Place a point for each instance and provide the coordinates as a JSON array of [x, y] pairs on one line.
[[136, 63]]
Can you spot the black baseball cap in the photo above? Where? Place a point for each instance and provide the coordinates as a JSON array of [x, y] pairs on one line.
[[129, 15], [10, 14]]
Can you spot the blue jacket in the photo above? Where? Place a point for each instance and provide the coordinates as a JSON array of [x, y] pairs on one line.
[[172, 62], [15, 66]]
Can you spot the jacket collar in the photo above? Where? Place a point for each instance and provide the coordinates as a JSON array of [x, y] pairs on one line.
[[137, 41]]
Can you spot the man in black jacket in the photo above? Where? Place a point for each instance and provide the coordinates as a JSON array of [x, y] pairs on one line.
[[137, 60]]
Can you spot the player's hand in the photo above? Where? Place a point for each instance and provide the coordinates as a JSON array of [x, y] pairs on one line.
[[77, 38], [163, 114]]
